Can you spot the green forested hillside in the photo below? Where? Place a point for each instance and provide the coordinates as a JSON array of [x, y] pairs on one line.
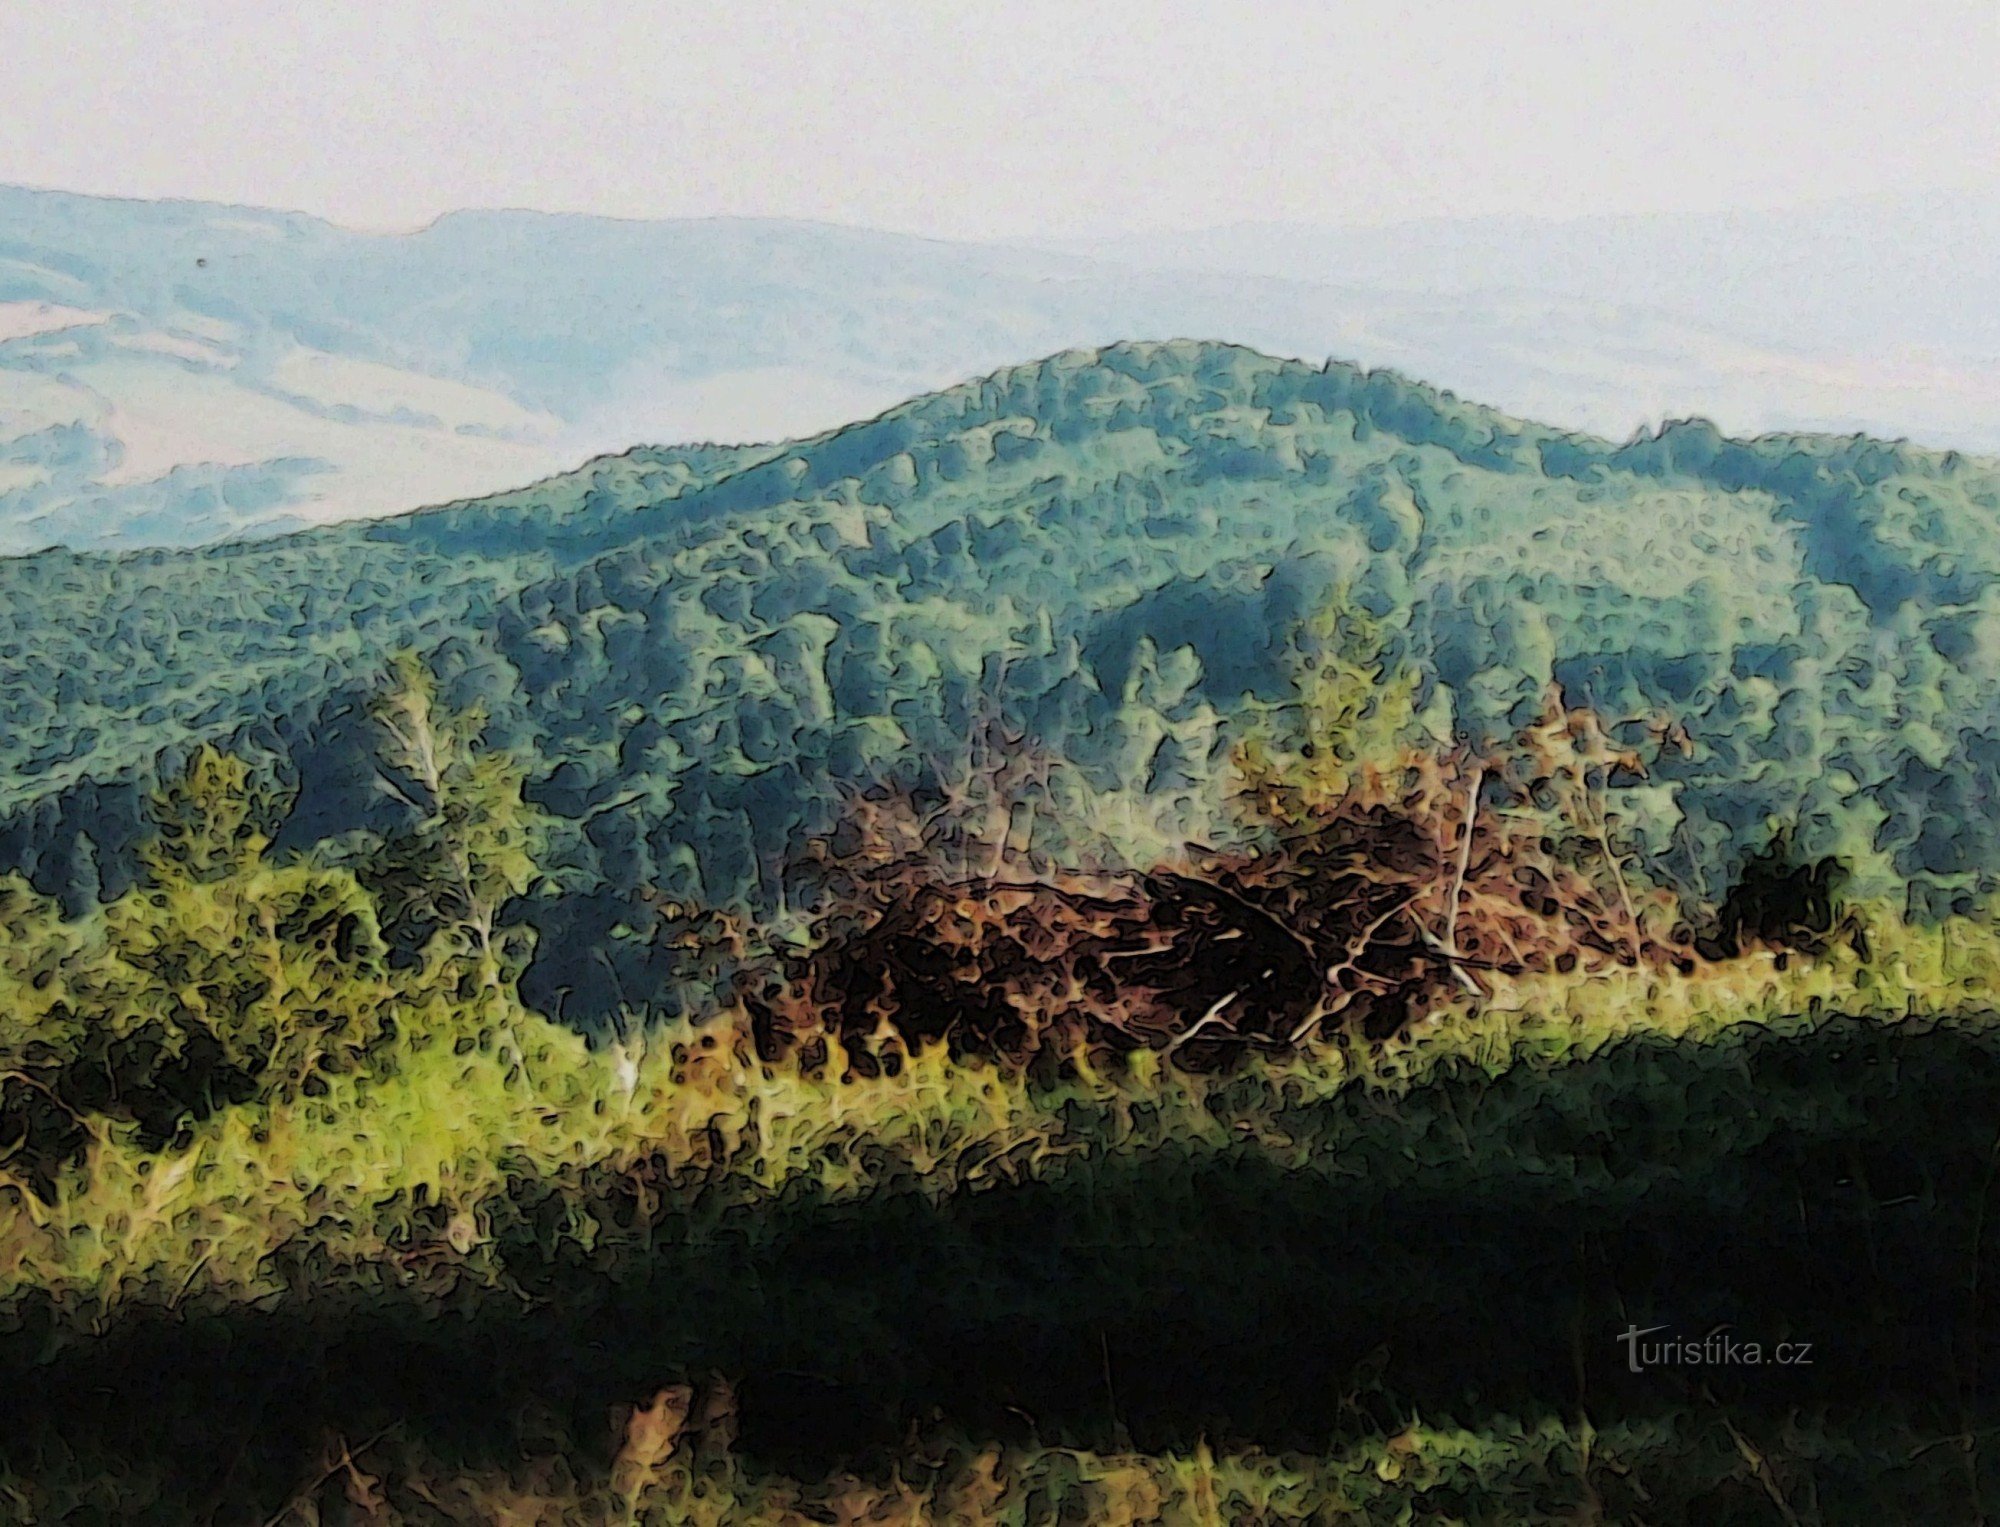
[[1111, 550]]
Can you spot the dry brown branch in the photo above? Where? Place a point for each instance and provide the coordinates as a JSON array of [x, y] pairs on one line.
[[1322, 1012], [1213, 1015], [1464, 858]]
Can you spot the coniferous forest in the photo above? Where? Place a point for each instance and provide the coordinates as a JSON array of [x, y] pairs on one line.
[[1163, 935]]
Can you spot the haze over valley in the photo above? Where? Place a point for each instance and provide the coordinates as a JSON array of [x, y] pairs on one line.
[[179, 372]]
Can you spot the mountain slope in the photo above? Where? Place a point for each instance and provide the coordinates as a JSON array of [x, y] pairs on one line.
[[1114, 549], [177, 373]]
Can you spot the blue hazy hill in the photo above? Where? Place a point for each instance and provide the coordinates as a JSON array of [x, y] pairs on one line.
[[172, 373]]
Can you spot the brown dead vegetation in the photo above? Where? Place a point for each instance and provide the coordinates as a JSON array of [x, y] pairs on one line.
[[1348, 914]]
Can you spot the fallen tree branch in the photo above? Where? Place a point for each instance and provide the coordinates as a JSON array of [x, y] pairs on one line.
[[1457, 963], [1323, 1010], [1464, 859], [1213, 1015]]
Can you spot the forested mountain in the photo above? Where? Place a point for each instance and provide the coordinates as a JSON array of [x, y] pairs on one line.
[[1110, 551]]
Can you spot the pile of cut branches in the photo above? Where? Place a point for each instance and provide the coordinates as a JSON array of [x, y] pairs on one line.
[[1351, 912], [1422, 876]]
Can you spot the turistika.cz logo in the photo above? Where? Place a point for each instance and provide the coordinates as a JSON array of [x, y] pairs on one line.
[[1718, 1349]]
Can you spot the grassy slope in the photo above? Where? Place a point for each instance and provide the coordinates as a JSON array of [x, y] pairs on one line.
[[1298, 1272], [352, 1172]]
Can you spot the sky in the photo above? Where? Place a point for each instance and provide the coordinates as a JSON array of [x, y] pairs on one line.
[[1023, 119]]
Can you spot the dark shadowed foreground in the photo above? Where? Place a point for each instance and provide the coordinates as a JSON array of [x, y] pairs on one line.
[[1467, 1254]]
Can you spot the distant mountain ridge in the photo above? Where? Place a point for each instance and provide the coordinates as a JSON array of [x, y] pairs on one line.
[[176, 372]]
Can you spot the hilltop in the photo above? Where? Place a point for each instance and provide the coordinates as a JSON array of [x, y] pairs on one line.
[[1113, 549]]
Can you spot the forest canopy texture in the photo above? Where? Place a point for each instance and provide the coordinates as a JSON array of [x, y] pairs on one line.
[[699, 655]]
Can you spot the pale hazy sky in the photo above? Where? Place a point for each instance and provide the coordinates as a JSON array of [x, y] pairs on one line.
[[1009, 118]]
